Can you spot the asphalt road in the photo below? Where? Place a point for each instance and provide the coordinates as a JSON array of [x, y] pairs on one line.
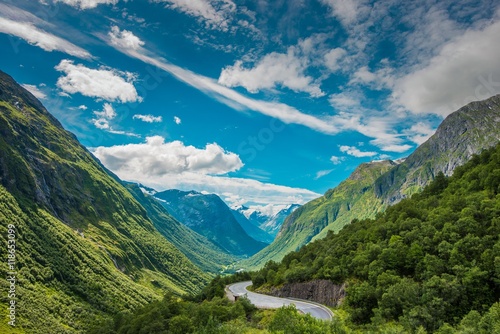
[[264, 301]]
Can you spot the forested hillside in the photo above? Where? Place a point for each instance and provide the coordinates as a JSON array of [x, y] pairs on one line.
[[86, 248], [426, 263], [375, 186]]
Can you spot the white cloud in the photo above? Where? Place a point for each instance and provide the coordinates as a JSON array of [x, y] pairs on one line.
[[157, 158], [376, 126], [82, 107], [103, 117], [33, 89], [38, 37], [466, 69], [382, 78], [87, 4], [420, 132], [355, 152], [345, 10], [108, 84], [172, 165], [215, 13], [322, 173], [286, 70], [177, 120], [231, 98], [148, 118], [336, 160], [333, 59], [124, 39], [344, 100]]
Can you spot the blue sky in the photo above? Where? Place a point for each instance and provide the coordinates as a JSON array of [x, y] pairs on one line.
[[261, 102]]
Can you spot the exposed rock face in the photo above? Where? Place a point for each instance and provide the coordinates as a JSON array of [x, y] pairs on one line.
[[463, 133], [320, 291]]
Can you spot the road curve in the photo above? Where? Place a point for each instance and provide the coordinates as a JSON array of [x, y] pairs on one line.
[[265, 301]]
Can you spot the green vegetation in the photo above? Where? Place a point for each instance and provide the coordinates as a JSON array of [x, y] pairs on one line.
[[429, 263], [86, 248], [215, 316], [196, 247], [208, 215], [353, 198], [373, 187]]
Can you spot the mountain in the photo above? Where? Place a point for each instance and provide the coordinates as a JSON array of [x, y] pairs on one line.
[[337, 207], [211, 217], [202, 252], [463, 133], [273, 224], [251, 229], [86, 248], [426, 264], [268, 222], [374, 186]]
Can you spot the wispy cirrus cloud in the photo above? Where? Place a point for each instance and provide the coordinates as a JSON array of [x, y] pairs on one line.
[[228, 96], [87, 4], [12, 23], [216, 13]]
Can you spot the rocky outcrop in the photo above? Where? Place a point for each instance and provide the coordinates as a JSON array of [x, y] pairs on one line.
[[463, 133], [320, 291]]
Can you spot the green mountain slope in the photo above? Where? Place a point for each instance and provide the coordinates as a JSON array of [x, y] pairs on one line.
[[196, 247], [211, 217], [85, 247], [427, 262], [350, 199], [462, 134]]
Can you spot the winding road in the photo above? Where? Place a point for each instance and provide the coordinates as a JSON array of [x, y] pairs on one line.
[[265, 301]]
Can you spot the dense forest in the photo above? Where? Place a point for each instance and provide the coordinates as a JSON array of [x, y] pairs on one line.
[[430, 264]]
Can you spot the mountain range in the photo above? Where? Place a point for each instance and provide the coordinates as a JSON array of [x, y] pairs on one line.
[[208, 215], [90, 245], [372, 187]]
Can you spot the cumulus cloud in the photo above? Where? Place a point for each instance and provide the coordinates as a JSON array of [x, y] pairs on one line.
[[157, 158], [336, 160], [38, 37], [173, 165], [466, 69], [124, 39], [286, 70], [87, 4], [333, 59], [104, 83], [103, 117], [177, 120], [33, 89], [148, 118], [355, 152]]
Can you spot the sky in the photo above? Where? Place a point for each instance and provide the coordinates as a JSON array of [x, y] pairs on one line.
[[265, 103]]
